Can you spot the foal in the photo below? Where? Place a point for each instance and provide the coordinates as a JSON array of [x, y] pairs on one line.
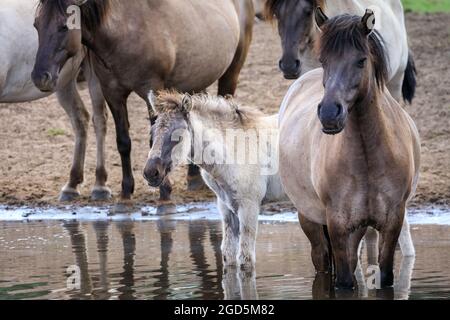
[[242, 178], [359, 165]]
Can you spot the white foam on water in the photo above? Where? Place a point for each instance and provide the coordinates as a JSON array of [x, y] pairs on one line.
[[199, 211]]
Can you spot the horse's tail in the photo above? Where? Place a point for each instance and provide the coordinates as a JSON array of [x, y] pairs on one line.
[[409, 82]]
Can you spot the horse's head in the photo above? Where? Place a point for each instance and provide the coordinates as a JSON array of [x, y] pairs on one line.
[[59, 40], [170, 136], [354, 64], [295, 20]]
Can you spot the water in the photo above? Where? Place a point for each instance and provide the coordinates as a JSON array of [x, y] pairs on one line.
[[178, 257]]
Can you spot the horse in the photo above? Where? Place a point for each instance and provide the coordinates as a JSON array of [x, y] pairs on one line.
[[244, 174], [139, 46], [349, 153], [17, 54], [298, 33]]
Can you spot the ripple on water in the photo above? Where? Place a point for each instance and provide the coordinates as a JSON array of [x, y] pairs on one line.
[[181, 259]]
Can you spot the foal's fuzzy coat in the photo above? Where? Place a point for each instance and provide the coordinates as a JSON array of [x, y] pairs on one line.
[[240, 188]]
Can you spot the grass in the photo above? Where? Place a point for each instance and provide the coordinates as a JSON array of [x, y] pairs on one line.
[[427, 5], [56, 132]]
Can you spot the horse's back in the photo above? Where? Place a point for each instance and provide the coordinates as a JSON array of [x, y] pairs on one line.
[[202, 37]]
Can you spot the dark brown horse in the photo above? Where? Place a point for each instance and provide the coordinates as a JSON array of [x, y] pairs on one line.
[[298, 32], [146, 45]]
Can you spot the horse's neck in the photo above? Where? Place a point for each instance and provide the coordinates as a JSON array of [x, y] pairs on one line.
[[103, 35], [369, 120]]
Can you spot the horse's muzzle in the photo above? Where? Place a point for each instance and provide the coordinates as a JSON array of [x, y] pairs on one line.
[[154, 173], [45, 82]]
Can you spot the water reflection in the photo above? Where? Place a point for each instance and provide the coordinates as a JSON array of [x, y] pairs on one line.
[[167, 259], [162, 284]]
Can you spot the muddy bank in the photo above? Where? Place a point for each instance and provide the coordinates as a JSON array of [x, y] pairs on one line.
[[36, 140]]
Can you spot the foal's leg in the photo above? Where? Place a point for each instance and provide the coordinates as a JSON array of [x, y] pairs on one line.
[[319, 244], [117, 99], [70, 100], [100, 191], [353, 245], [248, 227], [371, 239], [405, 239], [247, 285], [230, 233], [228, 82], [390, 233]]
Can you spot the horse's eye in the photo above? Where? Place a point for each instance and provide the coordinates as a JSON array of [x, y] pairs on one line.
[[362, 63]]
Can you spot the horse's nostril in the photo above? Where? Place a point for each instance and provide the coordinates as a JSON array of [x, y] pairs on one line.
[[46, 77], [154, 173], [339, 109], [297, 64], [280, 64]]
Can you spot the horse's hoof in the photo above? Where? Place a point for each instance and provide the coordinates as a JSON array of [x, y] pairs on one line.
[[101, 194], [122, 208], [387, 279], [69, 195], [346, 285], [166, 209], [195, 183]]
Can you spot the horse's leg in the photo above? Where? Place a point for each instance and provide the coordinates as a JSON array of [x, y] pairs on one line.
[[230, 284], [248, 227], [117, 99], [247, 285], [405, 239], [319, 244], [230, 231], [339, 235], [390, 233], [228, 82], [100, 191], [71, 102]]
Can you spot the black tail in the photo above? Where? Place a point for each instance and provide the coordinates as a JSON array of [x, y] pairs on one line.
[[409, 82]]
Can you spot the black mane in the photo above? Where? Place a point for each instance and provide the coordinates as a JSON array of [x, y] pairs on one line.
[[93, 12]]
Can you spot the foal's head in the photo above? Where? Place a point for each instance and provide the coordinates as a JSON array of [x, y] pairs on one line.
[[170, 135], [60, 24], [295, 20], [354, 63]]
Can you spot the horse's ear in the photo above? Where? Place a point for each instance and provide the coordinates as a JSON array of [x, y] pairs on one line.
[[152, 102], [320, 17], [186, 104], [368, 21]]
